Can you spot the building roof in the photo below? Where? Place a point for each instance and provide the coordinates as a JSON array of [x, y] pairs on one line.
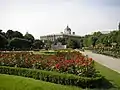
[[62, 35]]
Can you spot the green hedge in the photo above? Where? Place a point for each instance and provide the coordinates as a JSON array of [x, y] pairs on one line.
[[54, 77]]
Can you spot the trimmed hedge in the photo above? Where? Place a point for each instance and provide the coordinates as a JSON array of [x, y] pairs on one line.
[[54, 77]]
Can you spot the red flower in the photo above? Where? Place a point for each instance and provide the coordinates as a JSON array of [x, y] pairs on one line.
[[90, 59], [57, 66]]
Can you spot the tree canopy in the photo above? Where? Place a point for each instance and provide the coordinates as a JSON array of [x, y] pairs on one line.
[[15, 39]]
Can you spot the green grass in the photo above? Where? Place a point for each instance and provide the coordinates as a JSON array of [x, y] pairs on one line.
[[109, 74], [11, 82], [50, 52]]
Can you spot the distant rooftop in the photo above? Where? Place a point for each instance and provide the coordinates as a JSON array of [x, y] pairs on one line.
[[67, 31]]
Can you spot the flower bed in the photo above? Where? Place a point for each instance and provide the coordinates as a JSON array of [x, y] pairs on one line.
[[72, 62], [109, 52]]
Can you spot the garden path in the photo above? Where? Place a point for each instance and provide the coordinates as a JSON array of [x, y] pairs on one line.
[[110, 62]]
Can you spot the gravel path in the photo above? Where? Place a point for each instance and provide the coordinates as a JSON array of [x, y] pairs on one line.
[[110, 62]]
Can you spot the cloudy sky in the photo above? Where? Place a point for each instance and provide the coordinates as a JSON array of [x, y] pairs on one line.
[[41, 17]]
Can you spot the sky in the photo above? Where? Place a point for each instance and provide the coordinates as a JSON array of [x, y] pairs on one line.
[[42, 17]]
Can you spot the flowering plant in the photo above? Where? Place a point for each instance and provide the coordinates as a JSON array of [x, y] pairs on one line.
[[63, 61]]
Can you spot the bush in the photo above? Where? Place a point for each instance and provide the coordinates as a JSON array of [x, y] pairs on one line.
[[54, 77], [67, 61], [114, 52]]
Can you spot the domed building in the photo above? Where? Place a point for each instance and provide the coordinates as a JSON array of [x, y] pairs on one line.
[[67, 34]]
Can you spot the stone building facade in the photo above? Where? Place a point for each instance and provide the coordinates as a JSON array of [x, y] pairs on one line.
[[66, 34]]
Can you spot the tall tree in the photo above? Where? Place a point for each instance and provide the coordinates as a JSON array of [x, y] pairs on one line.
[[29, 37], [2, 33], [47, 44], [17, 34], [38, 44], [62, 40], [72, 43], [3, 41], [94, 40], [9, 34], [119, 26], [18, 43]]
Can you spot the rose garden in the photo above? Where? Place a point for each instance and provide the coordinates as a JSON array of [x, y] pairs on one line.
[[66, 67]]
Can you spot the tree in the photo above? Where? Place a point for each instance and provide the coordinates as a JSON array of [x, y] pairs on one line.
[[17, 34], [97, 34], [47, 44], [3, 41], [87, 40], [2, 33], [38, 44], [72, 43], [9, 34], [119, 26], [62, 40], [94, 39], [13, 34], [118, 38], [81, 43], [29, 37], [18, 43]]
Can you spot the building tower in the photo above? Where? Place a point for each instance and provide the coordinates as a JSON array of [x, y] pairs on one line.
[[67, 30]]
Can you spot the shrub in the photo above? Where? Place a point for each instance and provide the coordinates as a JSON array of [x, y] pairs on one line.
[[67, 61], [54, 77]]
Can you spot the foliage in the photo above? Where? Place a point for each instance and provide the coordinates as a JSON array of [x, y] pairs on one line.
[[67, 62], [114, 52], [73, 43], [87, 41], [48, 44], [17, 34], [62, 40], [18, 43], [13, 34], [9, 34], [29, 37], [92, 40], [14, 40], [3, 41], [96, 38], [119, 26], [54, 77], [101, 43], [38, 44]]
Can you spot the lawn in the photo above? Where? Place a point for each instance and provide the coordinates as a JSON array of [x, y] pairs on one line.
[[11, 82], [45, 52], [109, 74]]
